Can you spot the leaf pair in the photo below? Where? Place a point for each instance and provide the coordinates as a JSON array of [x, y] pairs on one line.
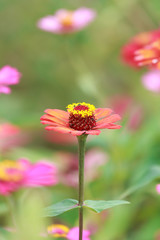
[[69, 204]]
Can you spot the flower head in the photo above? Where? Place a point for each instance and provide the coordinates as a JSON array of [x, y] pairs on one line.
[[138, 42], [80, 118], [65, 21], [8, 76], [22, 173], [59, 230], [151, 80]]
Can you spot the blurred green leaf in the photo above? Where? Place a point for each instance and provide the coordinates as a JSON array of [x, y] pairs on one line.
[[61, 207], [100, 205], [3, 208], [147, 178], [3, 233]]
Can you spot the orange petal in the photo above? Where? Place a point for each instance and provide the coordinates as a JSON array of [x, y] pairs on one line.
[[65, 130], [110, 119], [50, 118], [93, 132], [50, 123], [102, 112], [108, 126], [63, 115]]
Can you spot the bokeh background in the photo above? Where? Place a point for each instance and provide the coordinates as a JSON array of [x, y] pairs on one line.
[[84, 66]]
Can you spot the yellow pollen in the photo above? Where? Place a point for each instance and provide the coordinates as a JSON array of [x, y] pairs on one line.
[[83, 113], [66, 19], [58, 230], [9, 171]]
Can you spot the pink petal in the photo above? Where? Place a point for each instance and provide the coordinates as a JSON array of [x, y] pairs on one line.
[[41, 174], [111, 119], [158, 188], [73, 234], [62, 115], [93, 132], [82, 17], [50, 24], [151, 81], [65, 130], [102, 112], [5, 90], [51, 119], [9, 75], [108, 126]]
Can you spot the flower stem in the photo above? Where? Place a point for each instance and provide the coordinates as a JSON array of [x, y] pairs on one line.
[[81, 150], [11, 204]]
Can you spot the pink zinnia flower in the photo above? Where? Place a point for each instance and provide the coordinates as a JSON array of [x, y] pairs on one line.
[[59, 230], [151, 81], [65, 21], [8, 76], [158, 188], [22, 173], [80, 118]]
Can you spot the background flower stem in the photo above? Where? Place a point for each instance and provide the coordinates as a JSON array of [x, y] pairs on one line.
[[81, 141]]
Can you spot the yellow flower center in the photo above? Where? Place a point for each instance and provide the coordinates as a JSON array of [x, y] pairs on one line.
[[66, 19], [58, 230], [82, 109], [10, 171]]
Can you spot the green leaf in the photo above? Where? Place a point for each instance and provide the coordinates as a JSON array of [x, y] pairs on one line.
[[61, 207], [100, 205], [147, 178]]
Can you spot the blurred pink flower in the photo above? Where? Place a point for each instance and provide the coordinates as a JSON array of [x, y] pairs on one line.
[[59, 230], [151, 81], [65, 21], [69, 166], [8, 76], [22, 173], [11, 136], [158, 188]]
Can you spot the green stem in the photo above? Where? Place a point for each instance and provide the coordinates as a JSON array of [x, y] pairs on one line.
[[12, 206], [81, 141]]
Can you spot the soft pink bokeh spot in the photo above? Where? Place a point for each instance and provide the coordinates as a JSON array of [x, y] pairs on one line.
[[28, 175], [65, 21], [73, 234], [11, 136], [151, 81], [158, 188], [68, 166], [8, 76], [126, 106]]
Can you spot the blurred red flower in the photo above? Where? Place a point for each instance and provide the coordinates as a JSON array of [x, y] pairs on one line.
[[140, 41]]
